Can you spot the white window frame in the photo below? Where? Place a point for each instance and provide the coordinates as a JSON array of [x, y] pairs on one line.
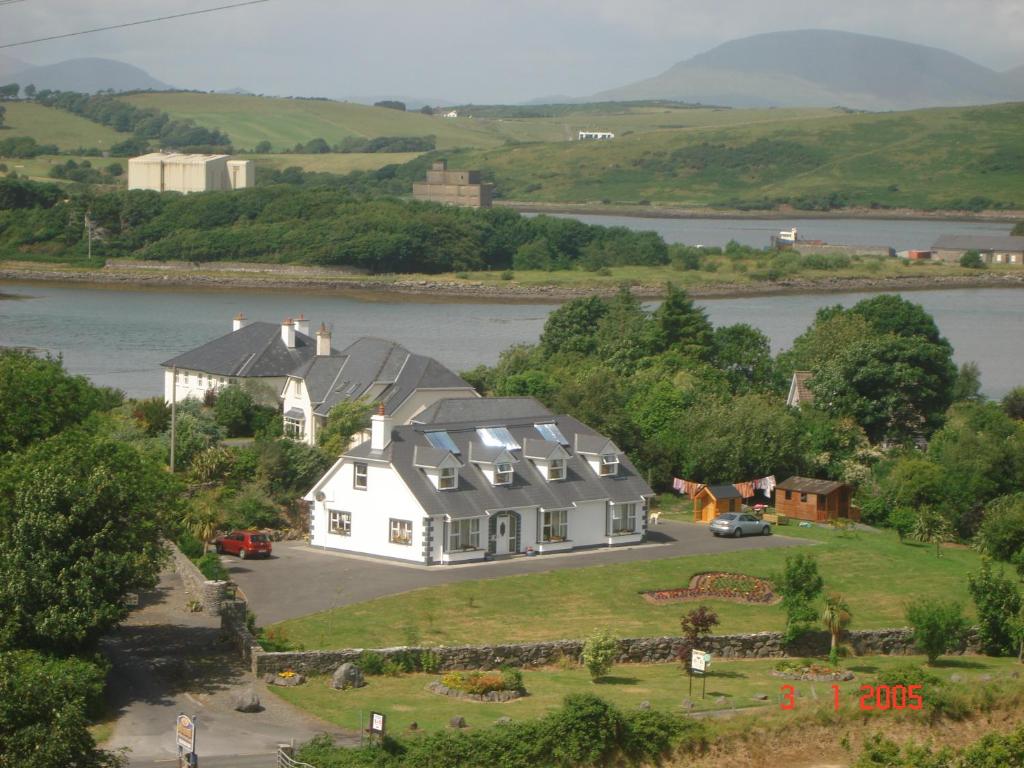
[[554, 526], [503, 473], [609, 463], [622, 519], [400, 532], [464, 535], [360, 475], [339, 523], [294, 428], [556, 469], [447, 479]]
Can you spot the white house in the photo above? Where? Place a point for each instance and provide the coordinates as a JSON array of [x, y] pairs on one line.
[[369, 369], [512, 479], [595, 135]]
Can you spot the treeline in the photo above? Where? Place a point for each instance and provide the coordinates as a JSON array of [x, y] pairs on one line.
[[312, 226], [359, 144], [144, 124]]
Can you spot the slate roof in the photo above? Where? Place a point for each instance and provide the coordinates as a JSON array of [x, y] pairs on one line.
[[724, 491], [595, 444], [980, 243], [256, 350], [482, 410], [352, 372], [809, 485], [475, 494]]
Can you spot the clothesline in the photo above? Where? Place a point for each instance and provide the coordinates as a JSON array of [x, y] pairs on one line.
[[746, 489]]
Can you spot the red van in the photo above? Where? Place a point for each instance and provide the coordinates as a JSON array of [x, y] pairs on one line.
[[244, 544]]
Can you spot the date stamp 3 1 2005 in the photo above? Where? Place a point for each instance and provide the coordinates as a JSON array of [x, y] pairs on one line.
[[873, 697]]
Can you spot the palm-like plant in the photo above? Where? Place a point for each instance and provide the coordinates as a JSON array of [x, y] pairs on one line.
[[932, 528], [202, 518], [836, 617]]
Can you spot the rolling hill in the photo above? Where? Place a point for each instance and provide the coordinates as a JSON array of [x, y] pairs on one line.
[[825, 68], [55, 126], [85, 76]]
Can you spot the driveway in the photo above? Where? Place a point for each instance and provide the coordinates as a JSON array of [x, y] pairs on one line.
[[299, 579]]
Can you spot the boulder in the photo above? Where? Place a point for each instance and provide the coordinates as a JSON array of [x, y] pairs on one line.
[[955, 678], [289, 681], [644, 705], [760, 697], [457, 722], [503, 721], [346, 676], [247, 701], [414, 726]]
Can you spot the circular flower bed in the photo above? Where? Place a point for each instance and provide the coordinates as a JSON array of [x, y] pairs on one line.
[[719, 585], [789, 670], [505, 685]]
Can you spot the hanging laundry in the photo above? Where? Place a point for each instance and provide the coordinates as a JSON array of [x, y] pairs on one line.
[[766, 484], [677, 484]]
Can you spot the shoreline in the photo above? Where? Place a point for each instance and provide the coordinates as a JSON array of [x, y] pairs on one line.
[[429, 291]]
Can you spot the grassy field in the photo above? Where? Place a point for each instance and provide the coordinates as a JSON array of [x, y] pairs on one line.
[[38, 168], [55, 126], [404, 699], [331, 162], [876, 573]]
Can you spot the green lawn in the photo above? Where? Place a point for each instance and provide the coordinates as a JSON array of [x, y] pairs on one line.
[[331, 162], [876, 573], [404, 699], [48, 125]]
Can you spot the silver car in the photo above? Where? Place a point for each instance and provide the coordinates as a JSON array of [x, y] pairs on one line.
[[739, 524]]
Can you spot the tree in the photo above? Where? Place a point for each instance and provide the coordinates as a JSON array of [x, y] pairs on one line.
[[9, 91], [1013, 403], [573, 326], [3, 113], [800, 585], [153, 415], [390, 104], [625, 333], [38, 398], [202, 517], [968, 383], [938, 627], [1018, 229], [30, 91], [1001, 535], [972, 260], [80, 525], [931, 527], [836, 617], [891, 313], [345, 421], [744, 354], [599, 653], [426, 109], [903, 521], [998, 603], [233, 410], [114, 170], [682, 325], [263, 148], [695, 625]]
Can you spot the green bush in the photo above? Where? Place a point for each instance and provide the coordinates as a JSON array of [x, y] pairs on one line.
[[394, 668], [599, 653], [190, 546], [233, 411], [512, 679], [210, 566], [972, 260], [371, 662], [429, 662], [938, 627], [251, 508], [998, 602]]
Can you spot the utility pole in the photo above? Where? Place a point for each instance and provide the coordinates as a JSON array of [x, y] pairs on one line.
[[88, 231], [174, 410]]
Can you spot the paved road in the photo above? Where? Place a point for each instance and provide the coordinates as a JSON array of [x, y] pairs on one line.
[[299, 579], [166, 660]]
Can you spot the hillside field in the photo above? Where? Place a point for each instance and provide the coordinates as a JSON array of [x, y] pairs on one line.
[[55, 126]]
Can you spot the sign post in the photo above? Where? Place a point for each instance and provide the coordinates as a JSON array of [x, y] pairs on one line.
[[377, 726], [185, 738], [700, 663]]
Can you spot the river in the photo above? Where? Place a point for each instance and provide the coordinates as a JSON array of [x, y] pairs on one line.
[[118, 337]]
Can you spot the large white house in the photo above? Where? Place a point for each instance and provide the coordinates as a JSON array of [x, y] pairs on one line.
[[369, 369], [508, 478]]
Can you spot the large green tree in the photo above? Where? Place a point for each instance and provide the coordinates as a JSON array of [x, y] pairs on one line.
[[573, 326], [80, 525], [744, 355], [681, 325], [345, 420]]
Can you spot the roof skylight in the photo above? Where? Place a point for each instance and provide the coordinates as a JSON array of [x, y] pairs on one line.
[[497, 437], [552, 433], [442, 440]]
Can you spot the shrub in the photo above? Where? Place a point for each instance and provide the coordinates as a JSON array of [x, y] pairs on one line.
[[649, 734], [1002, 530], [599, 652], [233, 410], [938, 627], [251, 508], [512, 679], [476, 682], [999, 603], [429, 662], [371, 663], [972, 260], [210, 566], [190, 546], [508, 274], [800, 585], [393, 668]]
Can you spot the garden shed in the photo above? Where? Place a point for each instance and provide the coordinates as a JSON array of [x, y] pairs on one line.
[[712, 500], [808, 499]]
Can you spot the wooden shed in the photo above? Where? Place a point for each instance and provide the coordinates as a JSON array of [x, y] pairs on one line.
[[712, 500], [808, 499]]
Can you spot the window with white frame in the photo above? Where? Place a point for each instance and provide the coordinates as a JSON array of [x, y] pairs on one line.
[[623, 518], [556, 469], [201, 379], [503, 474], [341, 523], [359, 473], [448, 479], [294, 428], [554, 525], [401, 532], [609, 464], [463, 535]]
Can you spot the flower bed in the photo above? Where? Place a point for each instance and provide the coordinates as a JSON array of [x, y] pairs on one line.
[[504, 685], [789, 670], [719, 585]]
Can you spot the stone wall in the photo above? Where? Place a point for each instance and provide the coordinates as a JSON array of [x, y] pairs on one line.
[[891, 642], [233, 624], [210, 594]]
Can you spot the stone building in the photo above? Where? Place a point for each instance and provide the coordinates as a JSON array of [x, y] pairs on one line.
[[453, 187]]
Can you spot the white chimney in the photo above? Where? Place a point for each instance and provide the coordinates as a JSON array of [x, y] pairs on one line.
[[288, 333], [323, 342], [239, 322], [302, 325], [380, 430]]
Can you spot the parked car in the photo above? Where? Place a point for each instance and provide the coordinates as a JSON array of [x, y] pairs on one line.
[[739, 524], [245, 544]]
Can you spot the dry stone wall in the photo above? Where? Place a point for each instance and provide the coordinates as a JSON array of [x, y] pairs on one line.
[[209, 593]]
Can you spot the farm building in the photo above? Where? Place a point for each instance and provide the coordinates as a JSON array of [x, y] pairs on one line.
[[463, 188], [808, 499], [993, 249], [174, 172], [712, 500]]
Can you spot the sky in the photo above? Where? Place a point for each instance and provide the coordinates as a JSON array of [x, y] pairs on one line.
[[485, 51]]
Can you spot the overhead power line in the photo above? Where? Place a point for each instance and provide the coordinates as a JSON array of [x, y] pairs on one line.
[[10, 2], [131, 23]]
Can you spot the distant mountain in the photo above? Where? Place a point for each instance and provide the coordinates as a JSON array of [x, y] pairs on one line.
[[818, 67], [9, 65], [1015, 81], [86, 76]]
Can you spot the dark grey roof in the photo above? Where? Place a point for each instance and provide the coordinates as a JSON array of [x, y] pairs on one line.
[[475, 495], [295, 413], [724, 491], [809, 485], [351, 373], [595, 444], [487, 454], [979, 243], [429, 456], [482, 410], [538, 448], [256, 350]]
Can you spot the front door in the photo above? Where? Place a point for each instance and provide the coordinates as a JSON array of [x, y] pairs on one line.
[[502, 534]]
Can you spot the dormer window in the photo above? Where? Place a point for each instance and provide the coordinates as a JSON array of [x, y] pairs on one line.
[[556, 469], [503, 474], [609, 464], [448, 479]]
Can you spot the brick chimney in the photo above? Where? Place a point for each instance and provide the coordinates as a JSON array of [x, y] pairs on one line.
[[380, 429], [288, 333], [302, 325], [323, 342], [239, 322]]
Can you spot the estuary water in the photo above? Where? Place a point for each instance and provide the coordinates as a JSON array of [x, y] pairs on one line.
[[118, 337]]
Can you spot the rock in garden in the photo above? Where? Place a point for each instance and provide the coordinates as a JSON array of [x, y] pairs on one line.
[[247, 701], [687, 704], [503, 721], [760, 697], [644, 705], [720, 700], [269, 678], [346, 676], [289, 680], [457, 722], [954, 678], [986, 678], [414, 726]]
